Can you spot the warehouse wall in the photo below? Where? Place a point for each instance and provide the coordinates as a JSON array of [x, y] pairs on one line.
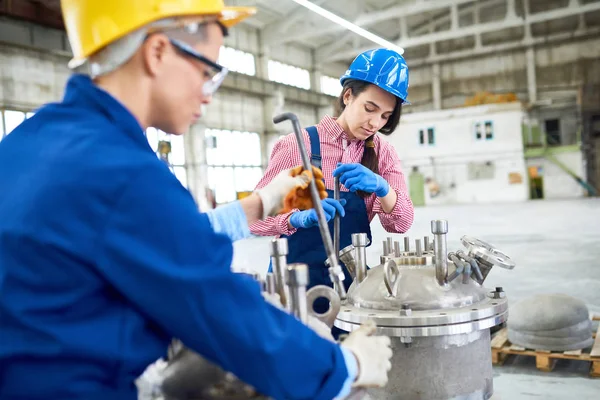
[[29, 78], [456, 159]]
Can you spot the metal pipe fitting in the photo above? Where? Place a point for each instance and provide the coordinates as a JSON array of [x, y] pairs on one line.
[[360, 242], [439, 228], [296, 279], [279, 251], [347, 257], [474, 265], [458, 264], [406, 244]]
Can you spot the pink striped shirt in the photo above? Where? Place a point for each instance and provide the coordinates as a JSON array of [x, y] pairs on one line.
[[335, 147]]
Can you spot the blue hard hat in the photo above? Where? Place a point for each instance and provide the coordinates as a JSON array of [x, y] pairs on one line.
[[382, 67]]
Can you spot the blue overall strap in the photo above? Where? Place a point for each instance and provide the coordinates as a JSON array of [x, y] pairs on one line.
[[315, 146]]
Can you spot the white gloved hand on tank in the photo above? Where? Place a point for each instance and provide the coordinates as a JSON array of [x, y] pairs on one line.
[[373, 355], [274, 193]]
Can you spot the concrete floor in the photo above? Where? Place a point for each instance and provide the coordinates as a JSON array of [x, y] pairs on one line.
[[556, 246]]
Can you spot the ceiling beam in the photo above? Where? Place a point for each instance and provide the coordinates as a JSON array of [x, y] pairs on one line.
[[277, 28], [505, 47], [415, 7], [446, 18], [509, 22], [326, 49]]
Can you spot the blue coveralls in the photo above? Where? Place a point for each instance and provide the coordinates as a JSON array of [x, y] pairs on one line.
[[104, 258], [306, 245]]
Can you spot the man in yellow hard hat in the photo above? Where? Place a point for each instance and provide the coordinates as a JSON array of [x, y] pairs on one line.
[[104, 256]]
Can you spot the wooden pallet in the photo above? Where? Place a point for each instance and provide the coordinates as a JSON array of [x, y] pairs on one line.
[[545, 360]]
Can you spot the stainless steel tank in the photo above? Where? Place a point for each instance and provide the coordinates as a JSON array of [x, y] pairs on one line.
[[434, 307]]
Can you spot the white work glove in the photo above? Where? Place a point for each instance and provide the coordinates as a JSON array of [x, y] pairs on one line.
[[373, 355], [274, 193], [149, 383]]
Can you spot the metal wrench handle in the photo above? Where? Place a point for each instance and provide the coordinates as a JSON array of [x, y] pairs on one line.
[[335, 271], [336, 219]]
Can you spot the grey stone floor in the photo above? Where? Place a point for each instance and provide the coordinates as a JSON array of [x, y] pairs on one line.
[[556, 246]]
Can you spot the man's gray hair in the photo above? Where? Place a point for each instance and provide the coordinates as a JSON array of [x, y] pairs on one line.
[[120, 51]]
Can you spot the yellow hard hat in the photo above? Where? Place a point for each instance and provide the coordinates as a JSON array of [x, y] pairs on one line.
[[93, 24]]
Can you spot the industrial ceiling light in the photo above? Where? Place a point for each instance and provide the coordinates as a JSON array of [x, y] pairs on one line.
[[349, 25]]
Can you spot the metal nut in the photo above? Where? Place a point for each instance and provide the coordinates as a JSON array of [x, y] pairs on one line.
[[406, 339]]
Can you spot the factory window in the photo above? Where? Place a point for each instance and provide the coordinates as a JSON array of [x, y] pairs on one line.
[[171, 149], [12, 119], [484, 130], [234, 163], [331, 86], [288, 75], [237, 60], [553, 132], [427, 137]]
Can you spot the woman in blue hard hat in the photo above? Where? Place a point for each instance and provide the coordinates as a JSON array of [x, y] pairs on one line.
[[374, 90]]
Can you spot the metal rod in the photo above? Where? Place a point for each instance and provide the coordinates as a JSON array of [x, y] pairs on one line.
[[336, 219], [386, 250], [279, 251], [270, 283], [439, 228], [335, 271], [458, 265], [390, 245], [418, 248], [474, 265], [397, 249], [406, 244], [426, 243], [360, 241], [296, 279]]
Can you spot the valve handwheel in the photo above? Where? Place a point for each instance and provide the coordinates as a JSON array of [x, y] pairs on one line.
[[487, 252]]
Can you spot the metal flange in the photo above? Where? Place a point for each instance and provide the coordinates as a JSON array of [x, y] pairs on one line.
[[482, 315]]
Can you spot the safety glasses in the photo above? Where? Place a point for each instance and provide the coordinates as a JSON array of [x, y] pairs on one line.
[[216, 73]]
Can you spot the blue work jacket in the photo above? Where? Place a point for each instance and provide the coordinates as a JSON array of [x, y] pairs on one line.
[[104, 257]]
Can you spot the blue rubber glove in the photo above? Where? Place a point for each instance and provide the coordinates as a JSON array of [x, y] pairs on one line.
[[308, 218], [358, 177]]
